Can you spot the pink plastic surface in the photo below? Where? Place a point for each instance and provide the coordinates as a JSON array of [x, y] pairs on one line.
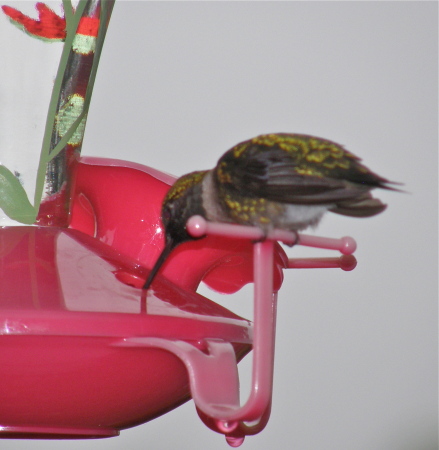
[[119, 203], [85, 352]]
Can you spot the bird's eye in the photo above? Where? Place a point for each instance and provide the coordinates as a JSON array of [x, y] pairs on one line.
[[166, 215]]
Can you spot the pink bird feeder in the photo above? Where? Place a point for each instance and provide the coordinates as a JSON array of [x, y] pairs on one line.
[[85, 351]]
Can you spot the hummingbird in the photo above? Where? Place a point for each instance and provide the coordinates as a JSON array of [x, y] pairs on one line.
[[282, 180]]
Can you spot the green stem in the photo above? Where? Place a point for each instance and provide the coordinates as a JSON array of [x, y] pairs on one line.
[[68, 10], [106, 7], [72, 21]]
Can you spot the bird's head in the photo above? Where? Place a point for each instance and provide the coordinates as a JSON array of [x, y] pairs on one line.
[[182, 201]]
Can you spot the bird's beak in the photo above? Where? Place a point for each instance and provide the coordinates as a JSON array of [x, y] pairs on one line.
[[169, 246]]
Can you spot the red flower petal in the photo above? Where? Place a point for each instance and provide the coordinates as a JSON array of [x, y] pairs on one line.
[[48, 26]]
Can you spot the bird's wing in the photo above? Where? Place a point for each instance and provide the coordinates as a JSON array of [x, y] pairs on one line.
[[295, 169]]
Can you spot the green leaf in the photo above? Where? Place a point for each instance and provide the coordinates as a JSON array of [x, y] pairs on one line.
[[13, 198]]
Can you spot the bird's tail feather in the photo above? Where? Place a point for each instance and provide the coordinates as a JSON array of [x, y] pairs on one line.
[[364, 206]]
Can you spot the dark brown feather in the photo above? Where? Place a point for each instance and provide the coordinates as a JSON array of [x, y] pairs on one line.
[[283, 174]]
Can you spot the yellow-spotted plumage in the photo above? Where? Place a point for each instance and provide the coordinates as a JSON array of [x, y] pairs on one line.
[[281, 180]]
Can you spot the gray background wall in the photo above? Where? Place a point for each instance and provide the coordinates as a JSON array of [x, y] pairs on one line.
[[181, 82]]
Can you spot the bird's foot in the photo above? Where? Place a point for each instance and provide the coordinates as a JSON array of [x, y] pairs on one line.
[[296, 239], [266, 234], [261, 239]]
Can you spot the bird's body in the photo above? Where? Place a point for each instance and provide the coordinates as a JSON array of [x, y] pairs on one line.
[[285, 181]]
